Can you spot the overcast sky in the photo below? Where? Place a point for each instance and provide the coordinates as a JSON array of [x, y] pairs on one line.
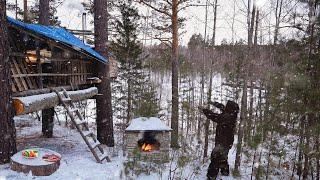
[[70, 12]]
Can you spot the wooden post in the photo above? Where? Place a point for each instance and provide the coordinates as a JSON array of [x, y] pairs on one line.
[[39, 68]]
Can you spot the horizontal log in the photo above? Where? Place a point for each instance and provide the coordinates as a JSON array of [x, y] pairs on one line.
[[28, 104], [49, 74], [43, 91], [240, 86], [23, 55]]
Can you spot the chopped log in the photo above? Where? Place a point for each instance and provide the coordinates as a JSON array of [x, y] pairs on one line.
[[37, 166], [28, 104], [44, 91]]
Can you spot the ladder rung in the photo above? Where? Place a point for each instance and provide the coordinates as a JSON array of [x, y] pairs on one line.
[[79, 122], [73, 110], [87, 133], [94, 145], [104, 156], [66, 99]]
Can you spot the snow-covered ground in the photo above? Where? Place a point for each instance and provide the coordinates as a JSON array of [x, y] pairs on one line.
[[78, 163], [187, 163]]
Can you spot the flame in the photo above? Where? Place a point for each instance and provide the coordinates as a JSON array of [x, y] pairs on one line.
[[146, 147]]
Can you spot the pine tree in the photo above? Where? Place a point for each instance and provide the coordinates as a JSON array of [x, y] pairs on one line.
[[7, 128], [104, 106], [34, 12], [137, 95]]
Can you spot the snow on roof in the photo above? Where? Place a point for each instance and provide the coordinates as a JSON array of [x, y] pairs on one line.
[[147, 124], [59, 35]]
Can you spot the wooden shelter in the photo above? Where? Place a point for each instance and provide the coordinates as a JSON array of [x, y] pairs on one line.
[[44, 58]]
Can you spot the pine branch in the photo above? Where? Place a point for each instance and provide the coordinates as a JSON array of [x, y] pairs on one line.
[[154, 8]]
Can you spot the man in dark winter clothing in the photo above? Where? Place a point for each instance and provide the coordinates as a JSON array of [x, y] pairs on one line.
[[226, 123]]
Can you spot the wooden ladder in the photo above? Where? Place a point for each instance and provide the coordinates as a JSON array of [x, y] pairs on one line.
[[77, 119]]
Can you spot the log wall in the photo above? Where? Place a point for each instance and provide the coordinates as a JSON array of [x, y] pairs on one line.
[[56, 72]]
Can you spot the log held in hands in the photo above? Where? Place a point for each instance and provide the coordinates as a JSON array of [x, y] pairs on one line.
[[24, 105]]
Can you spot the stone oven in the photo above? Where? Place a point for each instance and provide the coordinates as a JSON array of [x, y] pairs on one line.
[[148, 139]]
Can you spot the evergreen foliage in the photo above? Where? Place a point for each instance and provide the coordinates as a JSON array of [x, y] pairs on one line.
[[33, 12], [134, 91]]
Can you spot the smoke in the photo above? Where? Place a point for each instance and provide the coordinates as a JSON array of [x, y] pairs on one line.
[[260, 3], [76, 5]]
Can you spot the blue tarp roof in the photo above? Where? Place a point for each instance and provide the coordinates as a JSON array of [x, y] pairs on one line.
[[58, 35]]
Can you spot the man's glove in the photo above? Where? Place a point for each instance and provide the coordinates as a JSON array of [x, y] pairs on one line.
[[207, 112], [218, 105]]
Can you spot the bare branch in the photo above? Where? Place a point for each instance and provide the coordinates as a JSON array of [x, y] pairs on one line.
[[153, 7]]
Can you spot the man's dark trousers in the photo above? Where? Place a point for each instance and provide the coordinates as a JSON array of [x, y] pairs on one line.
[[219, 161]]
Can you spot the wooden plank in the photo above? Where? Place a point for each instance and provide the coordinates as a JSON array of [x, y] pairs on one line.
[[77, 71], [17, 68], [24, 71], [16, 79], [13, 88], [17, 54], [49, 74], [28, 71]]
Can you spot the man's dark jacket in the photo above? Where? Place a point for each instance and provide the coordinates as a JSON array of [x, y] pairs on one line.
[[226, 123]]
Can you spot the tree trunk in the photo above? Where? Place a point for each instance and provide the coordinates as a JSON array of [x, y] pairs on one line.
[[25, 10], [7, 128], [214, 22], [175, 76], [207, 123], [129, 107], [317, 158], [243, 115], [278, 16], [44, 9], [28, 104], [104, 107], [47, 114]]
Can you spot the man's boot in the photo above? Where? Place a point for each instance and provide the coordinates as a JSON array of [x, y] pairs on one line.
[[225, 171]]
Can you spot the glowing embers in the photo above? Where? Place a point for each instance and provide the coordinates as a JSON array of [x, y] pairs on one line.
[[149, 143]]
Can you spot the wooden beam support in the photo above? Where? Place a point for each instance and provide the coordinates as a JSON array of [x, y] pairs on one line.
[[49, 74], [43, 91], [28, 104]]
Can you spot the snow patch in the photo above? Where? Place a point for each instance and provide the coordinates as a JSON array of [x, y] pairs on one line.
[[147, 124]]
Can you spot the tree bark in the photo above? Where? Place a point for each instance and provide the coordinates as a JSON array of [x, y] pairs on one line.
[[7, 128], [104, 107], [25, 10], [129, 107], [44, 9], [47, 114], [244, 98], [175, 76], [24, 105]]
